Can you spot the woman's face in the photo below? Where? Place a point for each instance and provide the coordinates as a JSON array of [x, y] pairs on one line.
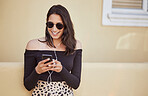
[[57, 30]]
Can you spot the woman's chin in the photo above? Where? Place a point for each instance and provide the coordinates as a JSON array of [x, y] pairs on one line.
[[56, 37]]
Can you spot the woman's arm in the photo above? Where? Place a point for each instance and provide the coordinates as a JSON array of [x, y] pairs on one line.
[[73, 78], [30, 75]]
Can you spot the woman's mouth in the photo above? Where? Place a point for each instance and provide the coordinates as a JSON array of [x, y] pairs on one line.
[[55, 33]]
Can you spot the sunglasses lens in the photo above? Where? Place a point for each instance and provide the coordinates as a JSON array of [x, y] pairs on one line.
[[59, 25], [49, 24]]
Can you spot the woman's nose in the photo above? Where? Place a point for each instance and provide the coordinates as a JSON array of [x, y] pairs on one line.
[[54, 29]]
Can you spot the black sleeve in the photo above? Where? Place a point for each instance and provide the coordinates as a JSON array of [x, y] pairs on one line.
[[73, 78], [30, 75]]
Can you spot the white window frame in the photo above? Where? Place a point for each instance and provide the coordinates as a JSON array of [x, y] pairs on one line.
[[124, 17]]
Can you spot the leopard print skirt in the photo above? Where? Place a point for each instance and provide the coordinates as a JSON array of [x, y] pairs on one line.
[[52, 89]]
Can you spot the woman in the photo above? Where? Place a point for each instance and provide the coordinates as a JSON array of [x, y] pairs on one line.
[[63, 73]]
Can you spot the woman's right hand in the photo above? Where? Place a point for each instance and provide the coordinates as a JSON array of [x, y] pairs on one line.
[[43, 67]]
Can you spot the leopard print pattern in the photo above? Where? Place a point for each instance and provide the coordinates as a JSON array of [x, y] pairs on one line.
[[52, 89]]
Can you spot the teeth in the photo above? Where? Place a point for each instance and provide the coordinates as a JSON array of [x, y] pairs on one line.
[[55, 33]]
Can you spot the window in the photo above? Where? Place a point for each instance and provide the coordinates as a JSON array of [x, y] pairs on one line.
[[125, 12]]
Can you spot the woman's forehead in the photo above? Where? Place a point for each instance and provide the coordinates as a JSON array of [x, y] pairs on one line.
[[55, 18]]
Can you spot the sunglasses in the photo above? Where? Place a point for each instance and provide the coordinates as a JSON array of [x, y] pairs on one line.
[[58, 25]]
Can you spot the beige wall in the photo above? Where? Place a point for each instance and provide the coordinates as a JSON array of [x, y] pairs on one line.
[[23, 20], [113, 79]]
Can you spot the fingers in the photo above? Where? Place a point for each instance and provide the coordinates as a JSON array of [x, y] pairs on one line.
[[54, 65], [56, 68], [49, 63], [45, 69], [42, 66], [57, 62], [43, 61]]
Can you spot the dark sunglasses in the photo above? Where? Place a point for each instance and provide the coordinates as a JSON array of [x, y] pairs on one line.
[[58, 25]]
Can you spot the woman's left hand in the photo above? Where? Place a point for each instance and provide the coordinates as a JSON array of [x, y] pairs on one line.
[[56, 66]]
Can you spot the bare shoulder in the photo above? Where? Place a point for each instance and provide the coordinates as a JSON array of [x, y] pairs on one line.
[[34, 44], [78, 44], [42, 39]]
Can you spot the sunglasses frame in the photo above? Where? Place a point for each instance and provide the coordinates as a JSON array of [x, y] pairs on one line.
[[57, 25]]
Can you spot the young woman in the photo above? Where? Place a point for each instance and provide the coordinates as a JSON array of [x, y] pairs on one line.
[[63, 73]]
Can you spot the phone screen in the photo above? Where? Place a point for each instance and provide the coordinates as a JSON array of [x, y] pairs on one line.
[[45, 56]]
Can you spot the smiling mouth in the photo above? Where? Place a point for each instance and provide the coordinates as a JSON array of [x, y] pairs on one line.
[[55, 33]]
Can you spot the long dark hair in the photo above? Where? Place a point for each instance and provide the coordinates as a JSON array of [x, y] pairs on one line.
[[67, 37]]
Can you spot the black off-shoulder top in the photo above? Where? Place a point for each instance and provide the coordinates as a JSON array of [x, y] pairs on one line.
[[71, 72]]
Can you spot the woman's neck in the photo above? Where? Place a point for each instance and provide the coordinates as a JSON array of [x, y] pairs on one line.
[[56, 42]]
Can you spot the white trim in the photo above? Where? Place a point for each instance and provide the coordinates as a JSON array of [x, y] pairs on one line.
[[124, 17], [145, 2], [129, 11], [107, 9], [128, 17]]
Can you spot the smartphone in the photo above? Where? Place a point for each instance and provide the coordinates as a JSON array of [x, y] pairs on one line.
[[45, 56]]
